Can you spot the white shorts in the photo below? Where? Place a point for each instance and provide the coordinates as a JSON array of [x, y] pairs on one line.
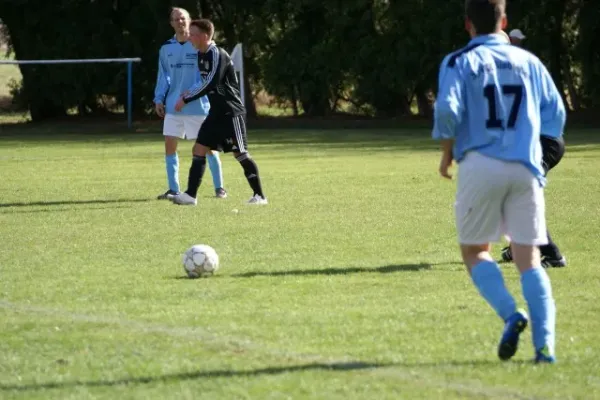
[[496, 198], [183, 126]]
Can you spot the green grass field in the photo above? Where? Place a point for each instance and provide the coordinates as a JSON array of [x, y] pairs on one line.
[[348, 285]]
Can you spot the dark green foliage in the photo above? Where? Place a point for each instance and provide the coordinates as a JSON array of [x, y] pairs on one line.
[[324, 56]]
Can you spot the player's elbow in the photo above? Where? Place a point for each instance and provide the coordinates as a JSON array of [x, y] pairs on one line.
[[562, 114], [446, 118], [554, 127]]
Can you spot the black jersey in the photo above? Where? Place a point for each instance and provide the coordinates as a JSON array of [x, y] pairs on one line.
[[219, 83], [553, 150]]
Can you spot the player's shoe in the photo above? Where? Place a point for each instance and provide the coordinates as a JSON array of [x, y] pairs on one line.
[[257, 199], [184, 199], [221, 193], [543, 355], [507, 254], [513, 328], [165, 195], [548, 262]]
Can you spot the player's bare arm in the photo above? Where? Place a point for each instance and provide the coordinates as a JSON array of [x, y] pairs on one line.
[[447, 158]]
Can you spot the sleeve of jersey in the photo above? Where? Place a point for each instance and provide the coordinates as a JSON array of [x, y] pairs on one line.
[[552, 107], [449, 103], [163, 80], [202, 87]]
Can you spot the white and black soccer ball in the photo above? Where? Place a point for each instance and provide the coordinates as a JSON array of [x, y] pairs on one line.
[[200, 260]]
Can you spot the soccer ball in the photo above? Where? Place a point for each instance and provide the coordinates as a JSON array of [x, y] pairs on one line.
[[200, 260]]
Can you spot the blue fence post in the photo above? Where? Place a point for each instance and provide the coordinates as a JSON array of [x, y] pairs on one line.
[[129, 93]]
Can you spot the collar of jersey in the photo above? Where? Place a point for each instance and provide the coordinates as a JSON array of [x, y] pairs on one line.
[[211, 45], [494, 38]]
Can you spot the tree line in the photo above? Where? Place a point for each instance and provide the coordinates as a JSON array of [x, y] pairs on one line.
[[318, 57]]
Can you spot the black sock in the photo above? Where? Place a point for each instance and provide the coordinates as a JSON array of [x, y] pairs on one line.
[[196, 173], [550, 250], [251, 172]]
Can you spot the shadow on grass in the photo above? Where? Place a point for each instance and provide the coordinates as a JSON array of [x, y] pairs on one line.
[[401, 138], [387, 269], [225, 373], [10, 210], [417, 139], [349, 366], [72, 202]]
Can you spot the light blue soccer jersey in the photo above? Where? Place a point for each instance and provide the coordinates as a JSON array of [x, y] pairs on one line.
[[177, 72], [497, 99]]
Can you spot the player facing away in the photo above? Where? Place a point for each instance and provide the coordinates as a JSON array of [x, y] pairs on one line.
[[224, 128], [494, 99], [177, 71]]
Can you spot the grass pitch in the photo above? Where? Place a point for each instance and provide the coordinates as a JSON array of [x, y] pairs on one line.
[[348, 285]]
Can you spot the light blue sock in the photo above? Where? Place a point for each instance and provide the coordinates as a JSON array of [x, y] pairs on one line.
[[488, 278], [172, 162], [214, 163], [537, 291]]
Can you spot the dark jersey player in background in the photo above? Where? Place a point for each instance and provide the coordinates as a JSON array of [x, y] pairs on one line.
[[225, 127]]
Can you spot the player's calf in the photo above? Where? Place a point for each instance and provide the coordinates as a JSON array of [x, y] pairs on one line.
[[537, 291], [253, 177]]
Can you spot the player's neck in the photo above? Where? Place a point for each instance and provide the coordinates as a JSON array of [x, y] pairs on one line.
[[204, 47], [183, 36]]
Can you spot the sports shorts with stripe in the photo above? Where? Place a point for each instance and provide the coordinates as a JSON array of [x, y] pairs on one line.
[[226, 133]]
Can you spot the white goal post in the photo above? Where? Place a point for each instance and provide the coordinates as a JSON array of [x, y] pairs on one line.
[[237, 56], [128, 61]]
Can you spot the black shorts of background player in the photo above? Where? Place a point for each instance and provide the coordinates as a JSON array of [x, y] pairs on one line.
[[553, 151], [225, 126]]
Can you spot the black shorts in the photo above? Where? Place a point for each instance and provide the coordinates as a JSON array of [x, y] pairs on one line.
[[553, 151], [224, 133]]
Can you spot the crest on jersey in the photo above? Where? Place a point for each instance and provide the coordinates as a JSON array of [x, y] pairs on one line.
[[206, 64]]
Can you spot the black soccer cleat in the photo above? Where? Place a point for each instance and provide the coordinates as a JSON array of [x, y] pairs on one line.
[[165, 195], [221, 193], [548, 262], [507, 254]]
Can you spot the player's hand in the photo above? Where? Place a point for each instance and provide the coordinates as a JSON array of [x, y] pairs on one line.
[[160, 109], [179, 105], [445, 164]]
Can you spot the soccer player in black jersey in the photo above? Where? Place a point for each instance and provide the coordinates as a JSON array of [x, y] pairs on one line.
[[225, 127]]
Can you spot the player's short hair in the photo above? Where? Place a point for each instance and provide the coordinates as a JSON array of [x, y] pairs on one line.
[[181, 10], [485, 15], [204, 25]]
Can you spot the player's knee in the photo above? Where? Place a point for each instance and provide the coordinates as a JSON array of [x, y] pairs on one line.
[[241, 157], [170, 145], [473, 254], [200, 150], [525, 257]]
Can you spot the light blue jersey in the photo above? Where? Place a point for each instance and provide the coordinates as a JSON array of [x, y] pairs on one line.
[[497, 99], [177, 72]]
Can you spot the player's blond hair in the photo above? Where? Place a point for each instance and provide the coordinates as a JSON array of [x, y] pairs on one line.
[[181, 10]]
